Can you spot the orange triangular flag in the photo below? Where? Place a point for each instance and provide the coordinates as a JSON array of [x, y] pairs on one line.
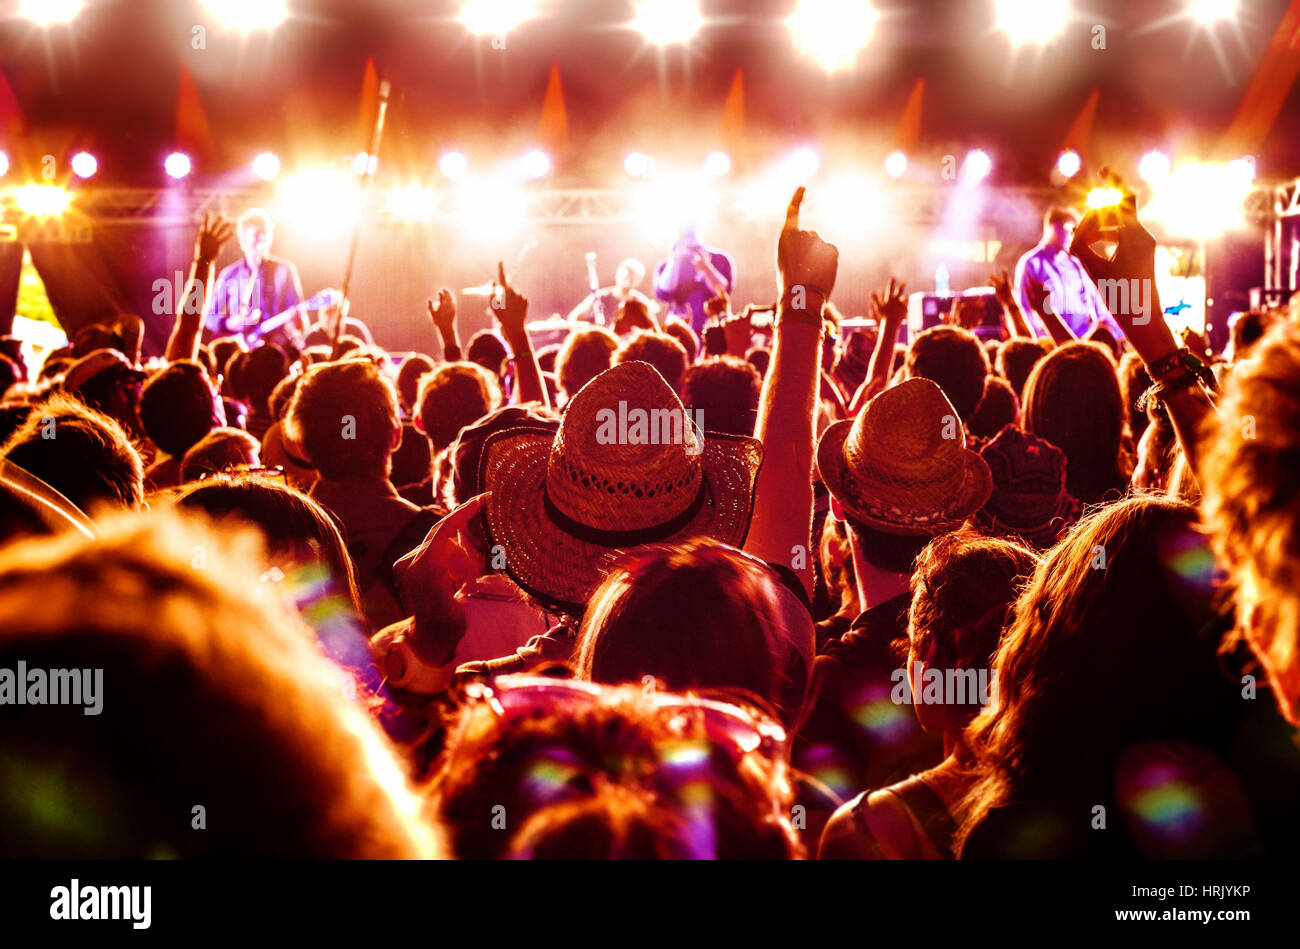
[[553, 129], [908, 132], [1080, 132], [732, 127]]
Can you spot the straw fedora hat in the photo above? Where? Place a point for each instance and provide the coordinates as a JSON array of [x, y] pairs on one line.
[[902, 466], [563, 507]]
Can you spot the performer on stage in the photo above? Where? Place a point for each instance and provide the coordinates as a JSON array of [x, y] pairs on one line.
[[627, 279], [691, 276], [1051, 268], [256, 287]]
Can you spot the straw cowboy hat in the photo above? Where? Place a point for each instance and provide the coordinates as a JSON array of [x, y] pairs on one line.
[[562, 507], [902, 465]]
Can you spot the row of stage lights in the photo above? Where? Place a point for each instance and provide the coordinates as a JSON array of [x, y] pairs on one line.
[[833, 32]]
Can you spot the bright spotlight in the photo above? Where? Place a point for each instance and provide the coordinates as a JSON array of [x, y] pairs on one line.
[[495, 17], [322, 201], [1201, 201], [1104, 198], [536, 164], [664, 207], [833, 31], [4, 164], [412, 203], [266, 166], [1154, 167], [487, 209], [50, 12], [1069, 164], [804, 163], [248, 16], [1032, 22], [364, 164], [896, 164], [177, 165], [854, 206], [84, 165], [1242, 170], [42, 200], [454, 165], [976, 167], [665, 22], [637, 165], [717, 164], [1210, 12]]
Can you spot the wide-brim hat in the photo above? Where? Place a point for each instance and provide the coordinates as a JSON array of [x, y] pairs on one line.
[[1029, 498], [902, 465], [563, 507]]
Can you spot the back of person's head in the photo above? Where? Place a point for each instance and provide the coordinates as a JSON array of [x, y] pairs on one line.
[[344, 416], [892, 553], [1248, 330], [13, 412], [282, 395], [1133, 382], [414, 367], [224, 349], [659, 350], [413, 459], [83, 454], [454, 395], [220, 450], [585, 741], [546, 357], [1073, 400], [1017, 358], [1103, 608], [178, 406], [759, 358], [1251, 479], [964, 591], [187, 690], [998, 408], [296, 529], [952, 358], [10, 373], [487, 349], [255, 374], [726, 390], [680, 330], [695, 615], [586, 353]]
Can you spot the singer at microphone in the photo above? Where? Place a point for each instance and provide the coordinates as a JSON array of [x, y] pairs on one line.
[[627, 278], [692, 276]]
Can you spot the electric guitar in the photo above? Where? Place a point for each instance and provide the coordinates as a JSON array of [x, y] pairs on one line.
[[254, 328]]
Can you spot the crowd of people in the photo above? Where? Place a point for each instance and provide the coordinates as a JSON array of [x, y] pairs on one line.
[[721, 591]]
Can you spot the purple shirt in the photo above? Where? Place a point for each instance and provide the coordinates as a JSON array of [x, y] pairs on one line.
[[1074, 295]]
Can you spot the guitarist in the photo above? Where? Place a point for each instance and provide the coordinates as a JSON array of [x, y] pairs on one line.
[[256, 286], [627, 278]]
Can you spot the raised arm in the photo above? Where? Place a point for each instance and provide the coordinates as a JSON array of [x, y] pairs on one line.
[[511, 310], [1013, 318], [184, 340], [1040, 299], [890, 312], [444, 321], [782, 523]]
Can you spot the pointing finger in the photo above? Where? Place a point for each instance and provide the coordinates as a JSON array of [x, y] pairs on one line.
[[792, 212]]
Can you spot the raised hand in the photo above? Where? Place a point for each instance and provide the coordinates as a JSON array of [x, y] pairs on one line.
[[444, 313], [508, 305], [213, 233], [804, 260], [718, 308], [1001, 284], [892, 307]]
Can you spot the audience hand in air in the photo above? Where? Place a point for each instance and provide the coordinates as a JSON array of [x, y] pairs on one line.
[[508, 305], [444, 313], [213, 233], [804, 260], [1001, 284], [892, 307]]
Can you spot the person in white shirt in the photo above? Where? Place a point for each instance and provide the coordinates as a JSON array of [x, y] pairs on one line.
[[1051, 271]]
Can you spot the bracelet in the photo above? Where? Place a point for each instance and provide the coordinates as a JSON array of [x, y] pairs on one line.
[[1180, 360], [1179, 381]]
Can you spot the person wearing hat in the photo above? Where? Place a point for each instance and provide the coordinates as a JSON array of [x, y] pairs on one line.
[[899, 475], [1029, 502], [105, 380]]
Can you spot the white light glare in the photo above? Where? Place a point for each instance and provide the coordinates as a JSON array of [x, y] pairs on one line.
[[1032, 22], [266, 166], [177, 164], [4, 164], [803, 163], [84, 165], [896, 164], [454, 165], [412, 203], [1069, 164], [665, 22], [833, 31], [1154, 167], [536, 164], [496, 17], [50, 12], [637, 165], [248, 16], [1210, 12], [976, 167], [717, 164]]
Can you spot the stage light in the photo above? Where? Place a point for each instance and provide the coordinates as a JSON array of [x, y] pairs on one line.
[[637, 165], [4, 164], [248, 16], [1201, 201], [664, 208], [1210, 12], [1154, 167], [412, 203], [977, 166], [896, 164], [536, 164], [323, 202], [50, 12], [833, 31], [177, 165], [1104, 198], [41, 200], [717, 164], [454, 165], [851, 206], [364, 164], [1032, 22], [1242, 170], [665, 22], [803, 163], [84, 165], [266, 166], [487, 209], [495, 17], [1069, 164]]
